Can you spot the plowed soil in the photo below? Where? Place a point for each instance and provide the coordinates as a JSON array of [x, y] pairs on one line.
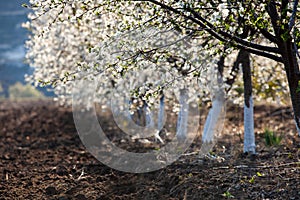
[[42, 157]]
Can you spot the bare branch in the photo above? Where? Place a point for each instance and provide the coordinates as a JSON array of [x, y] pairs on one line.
[[272, 11]]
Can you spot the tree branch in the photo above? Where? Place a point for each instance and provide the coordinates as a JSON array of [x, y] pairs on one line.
[[234, 38], [266, 33], [241, 44], [272, 11]]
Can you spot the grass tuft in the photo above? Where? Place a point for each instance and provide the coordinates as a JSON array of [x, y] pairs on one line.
[[272, 138]]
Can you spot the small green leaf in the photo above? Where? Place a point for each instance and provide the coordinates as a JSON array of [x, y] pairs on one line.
[[227, 194], [252, 179], [259, 174]]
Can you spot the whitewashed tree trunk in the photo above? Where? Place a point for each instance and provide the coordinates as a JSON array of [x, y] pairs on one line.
[[214, 120], [161, 113], [149, 117], [160, 119], [182, 120], [249, 138]]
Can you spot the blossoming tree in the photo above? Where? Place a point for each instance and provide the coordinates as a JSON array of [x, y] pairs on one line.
[[74, 36]]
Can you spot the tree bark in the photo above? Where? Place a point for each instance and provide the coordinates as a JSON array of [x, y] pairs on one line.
[[214, 121], [288, 52], [182, 120], [249, 137], [161, 113], [215, 118]]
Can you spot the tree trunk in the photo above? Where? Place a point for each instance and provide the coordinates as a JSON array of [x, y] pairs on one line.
[[215, 118], [182, 120], [160, 118], [249, 137], [288, 52], [161, 113], [214, 121], [149, 123]]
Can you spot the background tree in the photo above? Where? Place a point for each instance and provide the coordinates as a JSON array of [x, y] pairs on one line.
[[65, 33], [282, 33]]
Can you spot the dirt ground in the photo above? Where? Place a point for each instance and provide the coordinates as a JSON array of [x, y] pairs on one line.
[[42, 157]]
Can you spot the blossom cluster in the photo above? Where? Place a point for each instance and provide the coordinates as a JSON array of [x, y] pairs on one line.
[[110, 41]]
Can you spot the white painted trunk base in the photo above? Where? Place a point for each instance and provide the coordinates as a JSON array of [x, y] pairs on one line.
[[182, 120], [249, 137], [214, 121], [150, 123], [160, 120], [149, 117], [161, 113]]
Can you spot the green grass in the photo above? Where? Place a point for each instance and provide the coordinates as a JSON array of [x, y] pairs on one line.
[[272, 138]]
